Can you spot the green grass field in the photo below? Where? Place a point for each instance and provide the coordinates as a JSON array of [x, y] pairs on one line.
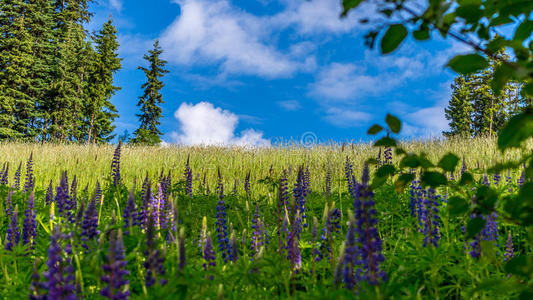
[[413, 271]]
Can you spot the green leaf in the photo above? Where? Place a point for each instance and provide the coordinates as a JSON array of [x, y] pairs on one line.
[[517, 130], [448, 162], [372, 161], [393, 37], [403, 181], [466, 178], [523, 31], [347, 5], [517, 265], [486, 198], [528, 89], [400, 151], [385, 171], [421, 34], [502, 74], [469, 63], [474, 226], [410, 161], [470, 12], [433, 179], [377, 182], [395, 125], [457, 206], [374, 129], [385, 142]]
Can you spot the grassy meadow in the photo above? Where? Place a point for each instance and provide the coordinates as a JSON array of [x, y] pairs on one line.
[[246, 238]]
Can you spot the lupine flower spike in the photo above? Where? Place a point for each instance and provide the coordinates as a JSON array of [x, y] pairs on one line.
[[115, 269], [115, 165], [30, 180], [30, 224]]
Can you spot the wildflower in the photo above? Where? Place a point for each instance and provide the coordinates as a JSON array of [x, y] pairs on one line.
[[509, 251], [222, 233], [430, 218], [247, 185], [463, 167], [387, 155], [13, 231], [49, 194], [209, 253], [496, 178], [115, 165], [130, 213], [485, 180], [233, 246], [328, 182], [299, 194], [30, 224], [62, 195], [348, 262], [331, 228], [4, 174], [508, 182], [30, 179], [114, 269], [366, 221], [89, 229], [16, 185], [187, 174], [258, 232], [293, 246], [154, 258], [60, 274]]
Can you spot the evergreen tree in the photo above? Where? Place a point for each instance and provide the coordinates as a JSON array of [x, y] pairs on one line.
[[17, 108], [150, 101], [99, 111], [459, 110]]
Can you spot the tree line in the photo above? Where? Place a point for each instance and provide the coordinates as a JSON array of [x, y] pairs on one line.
[[474, 109], [57, 79]]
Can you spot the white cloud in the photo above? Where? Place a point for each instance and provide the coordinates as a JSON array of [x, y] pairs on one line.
[[343, 117], [215, 32], [203, 124], [290, 105], [428, 122], [116, 4]]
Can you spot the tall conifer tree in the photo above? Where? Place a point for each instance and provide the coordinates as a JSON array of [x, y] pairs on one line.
[[150, 101], [99, 111], [459, 110]]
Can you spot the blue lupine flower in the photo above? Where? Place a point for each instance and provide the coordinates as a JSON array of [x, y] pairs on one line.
[[490, 231], [247, 188], [330, 230], [115, 269], [187, 174], [463, 167], [387, 155], [181, 250], [349, 260], [115, 165], [234, 247], [16, 185], [130, 213], [49, 194], [508, 182], [431, 219], [209, 253], [366, 221], [89, 228], [299, 194], [9, 204], [4, 174], [522, 179], [496, 178], [293, 245], [30, 224], [485, 180], [509, 250], [13, 231], [147, 202], [154, 259], [60, 274], [62, 196], [30, 179], [222, 229]]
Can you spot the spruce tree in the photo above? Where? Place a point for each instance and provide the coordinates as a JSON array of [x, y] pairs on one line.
[[99, 111], [17, 108], [459, 109], [150, 101]]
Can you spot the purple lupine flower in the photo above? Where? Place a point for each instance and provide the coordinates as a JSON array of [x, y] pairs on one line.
[[181, 250], [508, 182], [144, 188], [247, 188], [306, 182], [154, 258], [496, 178], [222, 229], [30, 224], [16, 185], [490, 231], [378, 158], [9, 204], [509, 250], [293, 241], [299, 194], [328, 182], [187, 175], [234, 247], [36, 285], [79, 215], [160, 207], [62, 195], [30, 179], [73, 196], [416, 198], [283, 202], [522, 178], [4, 174], [259, 237], [452, 176], [430, 218], [209, 253], [115, 165], [475, 246], [387, 156], [331, 229], [463, 168], [485, 180], [60, 274], [130, 213], [13, 231], [171, 217], [114, 270], [49, 194], [147, 202], [89, 228], [348, 262], [366, 221]]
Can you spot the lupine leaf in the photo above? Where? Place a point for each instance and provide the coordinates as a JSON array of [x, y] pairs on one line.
[[448, 162], [474, 226], [517, 130], [469, 63], [395, 125], [374, 129], [385, 142], [403, 181], [433, 179], [457, 206]]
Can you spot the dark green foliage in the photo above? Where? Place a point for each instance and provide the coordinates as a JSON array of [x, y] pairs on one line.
[[150, 101]]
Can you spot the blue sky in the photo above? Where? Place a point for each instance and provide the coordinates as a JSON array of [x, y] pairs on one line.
[[257, 71]]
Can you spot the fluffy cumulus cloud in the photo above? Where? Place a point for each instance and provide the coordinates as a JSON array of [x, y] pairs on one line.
[[346, 118], [204, 124], [218, 33]]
